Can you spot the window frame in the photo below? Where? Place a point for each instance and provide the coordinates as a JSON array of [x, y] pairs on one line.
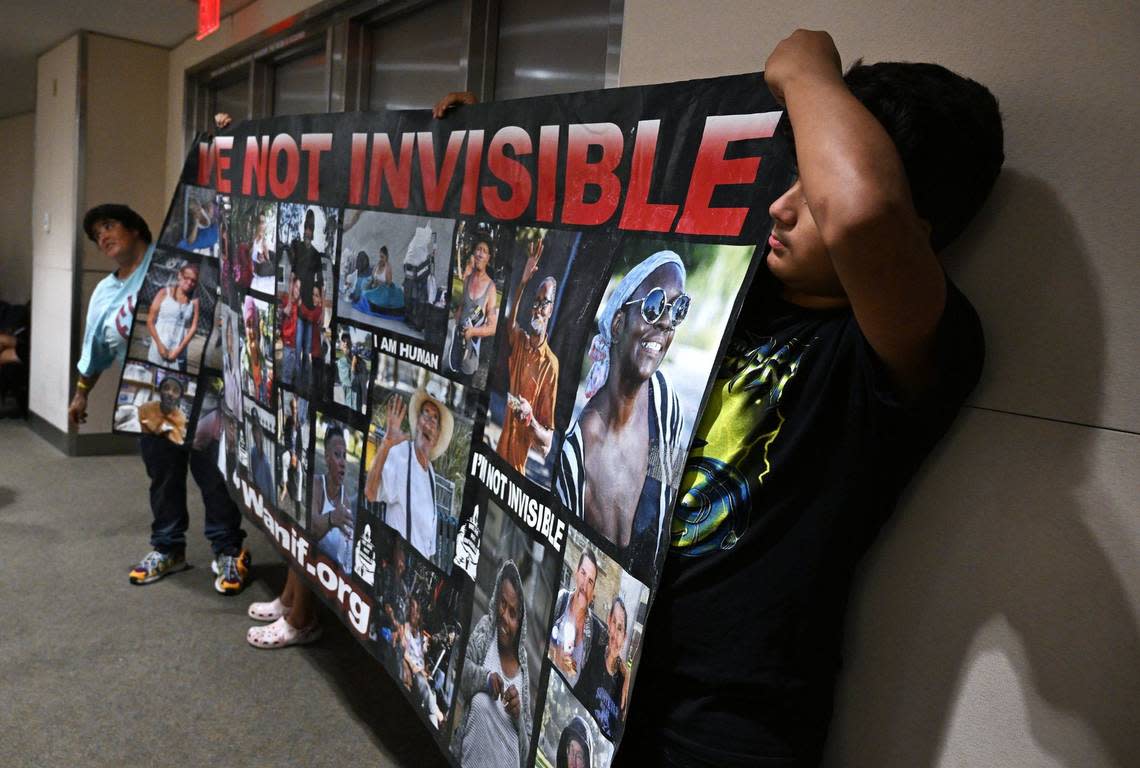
[[343, 28]]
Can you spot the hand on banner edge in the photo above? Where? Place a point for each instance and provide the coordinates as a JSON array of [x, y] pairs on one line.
[[453, 99]]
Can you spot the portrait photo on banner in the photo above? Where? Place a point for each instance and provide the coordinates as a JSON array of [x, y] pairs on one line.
[[419, 442], [548, 312], [293, 456], [650, 352], [352, 362], [260, 450], [415, 620], [569, 737], [251, 234], [154, 401], [174, 311], [393, 273], [257, 349], [231, 329], [195, 221], [595, 638], [333, 490], [497, 685], [306, 245], [480, 265]]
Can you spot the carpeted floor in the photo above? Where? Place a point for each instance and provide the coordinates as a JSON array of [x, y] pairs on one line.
[[95, 671]]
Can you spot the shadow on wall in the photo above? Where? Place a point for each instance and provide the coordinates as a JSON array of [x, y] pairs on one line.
[[990, 550]]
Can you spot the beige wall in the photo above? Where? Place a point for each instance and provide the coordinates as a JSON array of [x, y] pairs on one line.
[[54, 200], [997, 622], [124, 144], [17, 147], [100, 133]]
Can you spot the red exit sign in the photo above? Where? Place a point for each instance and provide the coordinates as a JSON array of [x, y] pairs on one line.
[[209, 17]]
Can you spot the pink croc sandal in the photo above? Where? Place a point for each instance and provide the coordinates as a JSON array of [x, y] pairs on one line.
[[270, 611], [281, 634]]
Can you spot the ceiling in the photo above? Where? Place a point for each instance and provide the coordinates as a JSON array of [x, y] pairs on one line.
[[36, 26]]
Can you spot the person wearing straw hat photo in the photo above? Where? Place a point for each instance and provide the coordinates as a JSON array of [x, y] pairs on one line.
[[402, 476]]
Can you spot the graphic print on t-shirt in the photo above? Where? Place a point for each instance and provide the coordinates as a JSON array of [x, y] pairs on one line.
[[730, 455]]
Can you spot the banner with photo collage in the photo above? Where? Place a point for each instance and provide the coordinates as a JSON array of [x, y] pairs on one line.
[[452, 368]]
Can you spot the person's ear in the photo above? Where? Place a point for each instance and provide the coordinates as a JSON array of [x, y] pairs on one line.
[[617, 324]]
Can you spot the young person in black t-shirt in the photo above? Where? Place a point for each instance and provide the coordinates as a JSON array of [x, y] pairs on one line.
[[852, 356], [851, 359]]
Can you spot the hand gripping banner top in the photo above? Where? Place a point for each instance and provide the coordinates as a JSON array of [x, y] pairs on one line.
[[453, 369]]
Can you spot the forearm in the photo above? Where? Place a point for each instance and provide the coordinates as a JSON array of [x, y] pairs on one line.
[[518, 300], [849, 168], [87, 381], [540, 436]]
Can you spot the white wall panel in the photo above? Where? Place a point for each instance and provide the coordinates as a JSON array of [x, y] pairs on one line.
[[1052, 264], [56, 155], [53, 249], [997, 622], [50, 369]]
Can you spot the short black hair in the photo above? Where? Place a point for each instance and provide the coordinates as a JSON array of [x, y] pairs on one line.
[[331, 434], [947, 129], [115, 212], [587, 554]]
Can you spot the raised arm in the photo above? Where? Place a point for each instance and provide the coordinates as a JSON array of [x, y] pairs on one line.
[[393, 434], [534, 253], [853, 182]]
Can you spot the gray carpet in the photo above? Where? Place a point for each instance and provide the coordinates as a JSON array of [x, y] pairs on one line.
[[95, 671]]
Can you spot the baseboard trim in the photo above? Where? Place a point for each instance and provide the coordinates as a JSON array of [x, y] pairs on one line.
[[72, 444]]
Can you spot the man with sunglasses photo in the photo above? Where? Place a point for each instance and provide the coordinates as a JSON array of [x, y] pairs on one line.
[[532, 372], [632, 421]]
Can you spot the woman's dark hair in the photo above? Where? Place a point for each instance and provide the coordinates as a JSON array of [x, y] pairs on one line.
[[575, 730], [618, 602], [947, 130], [331, 434], [362, 263], [115, 212]]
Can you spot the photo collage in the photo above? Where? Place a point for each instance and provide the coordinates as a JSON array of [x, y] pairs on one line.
[[171, 339], [481, 427]]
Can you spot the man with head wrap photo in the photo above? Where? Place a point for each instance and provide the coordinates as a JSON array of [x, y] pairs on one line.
[[632, 421]]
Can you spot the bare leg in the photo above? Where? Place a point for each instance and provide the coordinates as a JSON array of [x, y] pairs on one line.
[[291, 585], [302, 613]]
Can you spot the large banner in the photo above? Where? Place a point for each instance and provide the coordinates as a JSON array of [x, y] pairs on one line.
[[453, 369]]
